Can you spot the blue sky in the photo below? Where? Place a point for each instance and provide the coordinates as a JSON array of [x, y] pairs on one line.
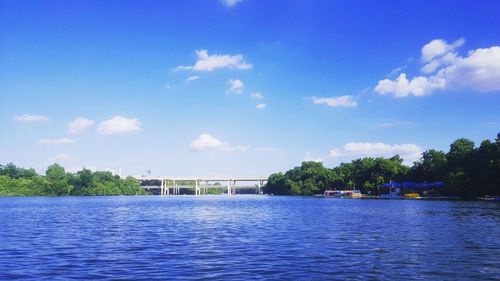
[[245, 87]]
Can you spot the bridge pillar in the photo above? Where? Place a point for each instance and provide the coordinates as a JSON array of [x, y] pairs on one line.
[[196, 188]]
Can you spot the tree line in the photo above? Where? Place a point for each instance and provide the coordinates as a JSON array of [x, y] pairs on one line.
[[15, 181], [466, 170]]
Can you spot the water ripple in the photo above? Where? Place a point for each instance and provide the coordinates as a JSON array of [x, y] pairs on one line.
[[246, 237]]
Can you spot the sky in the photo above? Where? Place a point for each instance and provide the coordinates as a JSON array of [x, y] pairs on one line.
[[242, 87]]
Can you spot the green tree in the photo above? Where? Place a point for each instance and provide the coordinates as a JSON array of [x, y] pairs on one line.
[[432, 166], [58, 180]]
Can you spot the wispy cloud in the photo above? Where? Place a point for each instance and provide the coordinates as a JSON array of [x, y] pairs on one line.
[[396, 123], [269, 149], [256, 96], [60, 141], [230, 3], [61, 157], [342, 101], [396, 71], [31, 118], [208, 62], [261, 106], [192, 78], [79, 125]]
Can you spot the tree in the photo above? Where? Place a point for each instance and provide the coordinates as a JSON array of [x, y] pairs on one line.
[[12, 171], [58, 180], [460, 152], [432, 166]]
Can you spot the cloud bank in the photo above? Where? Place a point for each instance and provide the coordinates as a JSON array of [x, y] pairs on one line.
[[445, 70], [353, 150]]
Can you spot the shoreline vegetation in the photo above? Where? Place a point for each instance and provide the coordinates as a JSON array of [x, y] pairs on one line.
[[16, 181], [466, 170]]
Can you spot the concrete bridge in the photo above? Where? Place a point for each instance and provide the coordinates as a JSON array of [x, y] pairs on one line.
[[173, 185]]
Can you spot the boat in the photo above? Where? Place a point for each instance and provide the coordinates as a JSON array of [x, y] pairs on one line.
[[341, 194], [413, 195], [489, 198]]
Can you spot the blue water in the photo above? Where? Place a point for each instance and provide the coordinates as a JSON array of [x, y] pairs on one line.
[[247, 237]]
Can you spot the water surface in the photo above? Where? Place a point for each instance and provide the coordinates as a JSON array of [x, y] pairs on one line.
[[247, 237]]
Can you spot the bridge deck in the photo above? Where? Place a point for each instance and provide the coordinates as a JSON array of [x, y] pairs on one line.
[[202, 178]]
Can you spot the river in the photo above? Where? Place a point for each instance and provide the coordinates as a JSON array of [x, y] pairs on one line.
[[247, 237]]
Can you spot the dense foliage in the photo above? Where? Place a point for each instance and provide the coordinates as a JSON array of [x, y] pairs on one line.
[[466, 170], [16, 181]]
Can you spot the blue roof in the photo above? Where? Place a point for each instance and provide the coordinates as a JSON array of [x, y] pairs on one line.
[[413, 184]]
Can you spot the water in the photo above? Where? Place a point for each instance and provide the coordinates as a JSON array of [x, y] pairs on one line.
[[247, 237]]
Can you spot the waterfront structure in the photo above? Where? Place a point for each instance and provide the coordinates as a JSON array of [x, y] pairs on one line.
[[173, 185], [395, 189]]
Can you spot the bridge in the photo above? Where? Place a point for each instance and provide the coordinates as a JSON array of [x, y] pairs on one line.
[[173, 185]]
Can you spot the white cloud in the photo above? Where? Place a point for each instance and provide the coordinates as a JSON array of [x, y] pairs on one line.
[[230, 3], [346, 101], [79, 125], [235, 86], [192, 78], [119, 125], [479, 71], [61, 141], [439, 47], [207, 62], [31, 118], [206, 142], [446, 70], [433, 65], [256, 96], [260, 106], [402, 87], [352, 150]]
